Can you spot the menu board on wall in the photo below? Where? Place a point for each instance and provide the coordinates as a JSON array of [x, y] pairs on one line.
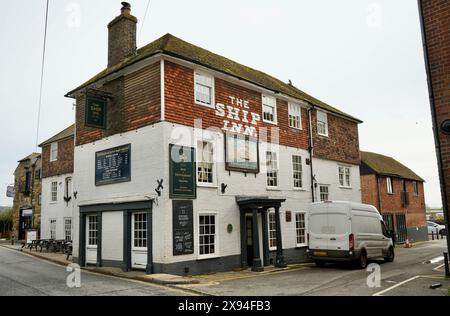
[[113, 165], [183, 228]]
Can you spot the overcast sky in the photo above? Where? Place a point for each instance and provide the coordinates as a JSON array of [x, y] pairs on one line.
[[363, 56]]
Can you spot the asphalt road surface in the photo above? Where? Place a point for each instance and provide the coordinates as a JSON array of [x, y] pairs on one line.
[[24, 275], [342, 280]]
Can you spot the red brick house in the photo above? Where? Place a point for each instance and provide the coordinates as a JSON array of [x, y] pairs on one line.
[[397, 192]]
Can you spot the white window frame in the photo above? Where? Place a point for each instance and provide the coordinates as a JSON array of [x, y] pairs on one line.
[[216, 253], [52, 228], [389, 185], [273, 169], [269, 101], [320, 192], [197, 76], [53, 192], [53, 152], [200, 156], [295, 172], [67, 228], [322, 117], [346, 173], [305, 228], [273, 236], [295, 115], [92, 230], [143, 221]]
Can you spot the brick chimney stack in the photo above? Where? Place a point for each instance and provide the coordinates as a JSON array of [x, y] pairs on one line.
[[122, 36]]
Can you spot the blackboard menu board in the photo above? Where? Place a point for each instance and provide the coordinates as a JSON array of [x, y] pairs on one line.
[[183, 228], [113, 165]]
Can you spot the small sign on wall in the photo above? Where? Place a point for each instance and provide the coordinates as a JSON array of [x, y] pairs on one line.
[[95, 112], [113, 165], [183, 227], [183, 179]]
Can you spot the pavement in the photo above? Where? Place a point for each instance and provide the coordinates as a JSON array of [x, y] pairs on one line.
[[25, 275]]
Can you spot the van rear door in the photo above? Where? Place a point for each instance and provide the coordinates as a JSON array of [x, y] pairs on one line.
[[338, 228], [317, 221]]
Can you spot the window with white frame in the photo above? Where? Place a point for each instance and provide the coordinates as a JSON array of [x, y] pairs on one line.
[[322, 123], [272, 230], [344, 176], [297, 170], [390, 188], [295, 116], [53, 229], [269, 109], [324, 193], [53, 152], [92, 230], [415, 188], [300, 228], [68, 229], [54, 191], [140, 230], [204, 89], [207, 235], [205, 162], [272, 169]]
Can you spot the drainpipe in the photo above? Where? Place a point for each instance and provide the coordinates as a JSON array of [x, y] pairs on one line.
[[378, 192], [311, 151], [435, 127]]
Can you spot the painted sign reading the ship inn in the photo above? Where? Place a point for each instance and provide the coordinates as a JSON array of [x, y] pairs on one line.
[[264, 150]]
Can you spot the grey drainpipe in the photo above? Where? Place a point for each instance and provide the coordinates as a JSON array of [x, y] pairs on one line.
[[435, 127], [310, 149]]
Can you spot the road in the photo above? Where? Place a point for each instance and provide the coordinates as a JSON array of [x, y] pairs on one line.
[[338, 280], [24, 275]]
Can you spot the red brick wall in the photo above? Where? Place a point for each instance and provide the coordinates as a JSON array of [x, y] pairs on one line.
[[64, 164], [436, 15], [392, 203], [342, 143], [136, 103]]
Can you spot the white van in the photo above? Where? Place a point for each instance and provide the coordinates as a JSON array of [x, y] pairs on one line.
[[347, 231]]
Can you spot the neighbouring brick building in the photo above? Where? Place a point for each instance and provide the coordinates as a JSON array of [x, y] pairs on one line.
[[435, 20], [188, 162], [57, 193], [398, 193], [27, 197]]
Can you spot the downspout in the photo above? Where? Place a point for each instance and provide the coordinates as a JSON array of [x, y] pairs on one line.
[[435, 127], [311, 151], [378, 192]]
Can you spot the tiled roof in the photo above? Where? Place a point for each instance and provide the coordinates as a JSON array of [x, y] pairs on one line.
[[68, 132]]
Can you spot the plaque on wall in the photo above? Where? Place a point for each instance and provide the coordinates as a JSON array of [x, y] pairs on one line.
[[183, 227], [183, 180], [95, 112], [113, 165], [241, 153]]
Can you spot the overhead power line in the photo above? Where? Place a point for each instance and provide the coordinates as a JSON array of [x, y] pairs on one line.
[[42, 76], [143, 20]]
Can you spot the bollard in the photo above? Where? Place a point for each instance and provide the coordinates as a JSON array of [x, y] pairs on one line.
[[432, 235], [447, 270], [437, 234]]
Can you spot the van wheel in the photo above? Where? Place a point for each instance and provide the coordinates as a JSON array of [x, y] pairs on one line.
[[319, 263], [390, 255], [362, 260]]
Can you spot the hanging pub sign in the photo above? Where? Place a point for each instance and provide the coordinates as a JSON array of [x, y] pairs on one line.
[[95, 112], [10, 191], [183, 227], [113, 165], [241, 153], [183, 181]]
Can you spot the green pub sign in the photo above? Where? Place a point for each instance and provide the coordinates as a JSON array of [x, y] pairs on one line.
[[95, 112], [183, 181]]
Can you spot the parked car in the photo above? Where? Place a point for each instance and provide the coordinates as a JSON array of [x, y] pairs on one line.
[[435, 228], [347, 231]]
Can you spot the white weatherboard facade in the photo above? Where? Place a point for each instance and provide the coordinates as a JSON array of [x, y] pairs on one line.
[[57, 216], [150, 163]]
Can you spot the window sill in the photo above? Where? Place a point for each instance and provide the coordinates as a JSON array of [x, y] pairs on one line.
[[272, 249], [270, 122], [209, 257], [299, 189], [323, 135], [345, 188], [205, 105], [207, 185], [273, 189], [298, 129]]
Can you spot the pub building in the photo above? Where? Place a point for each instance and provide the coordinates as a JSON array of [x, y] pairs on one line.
[[187, 162]]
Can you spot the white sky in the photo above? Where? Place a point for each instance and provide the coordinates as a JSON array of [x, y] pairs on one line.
[[363, 56]]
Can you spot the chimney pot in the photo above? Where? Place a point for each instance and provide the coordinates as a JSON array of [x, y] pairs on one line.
[[126, 8]]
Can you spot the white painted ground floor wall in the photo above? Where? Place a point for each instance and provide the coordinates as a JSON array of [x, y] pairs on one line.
[[59, 210], [150, 162]]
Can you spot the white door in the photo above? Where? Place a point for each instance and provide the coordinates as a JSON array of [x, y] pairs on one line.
[[139, 241], [91, 239]]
